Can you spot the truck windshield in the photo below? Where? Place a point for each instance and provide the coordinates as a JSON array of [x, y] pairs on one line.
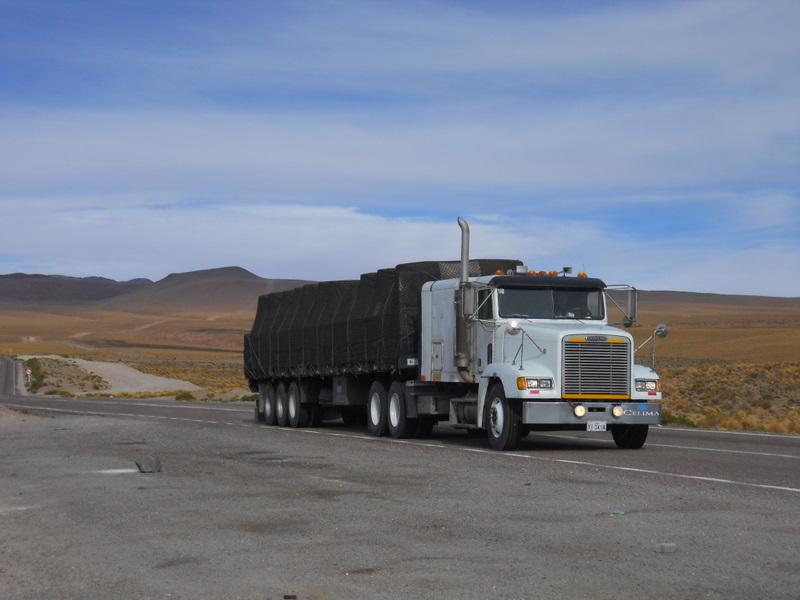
[[550, 303]]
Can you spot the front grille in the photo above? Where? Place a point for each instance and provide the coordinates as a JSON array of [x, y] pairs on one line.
[[596, 368]]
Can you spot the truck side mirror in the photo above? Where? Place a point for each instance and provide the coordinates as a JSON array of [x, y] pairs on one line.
[[633, 307], [661, 330]]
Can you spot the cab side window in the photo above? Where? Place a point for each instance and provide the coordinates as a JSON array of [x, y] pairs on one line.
[[485, 312]]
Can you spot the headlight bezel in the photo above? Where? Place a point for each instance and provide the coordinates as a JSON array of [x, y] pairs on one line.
[[646, 385], [535, 383]]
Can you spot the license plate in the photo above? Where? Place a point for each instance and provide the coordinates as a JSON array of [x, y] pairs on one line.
[[596, 426]]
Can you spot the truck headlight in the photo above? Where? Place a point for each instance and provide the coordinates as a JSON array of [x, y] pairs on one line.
[[534, 383], [617, 410], [646, 385], [579, 410]]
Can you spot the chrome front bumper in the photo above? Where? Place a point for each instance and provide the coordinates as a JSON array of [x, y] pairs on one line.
[[561, 412]]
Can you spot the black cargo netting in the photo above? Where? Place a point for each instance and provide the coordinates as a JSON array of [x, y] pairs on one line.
[[347, 326]]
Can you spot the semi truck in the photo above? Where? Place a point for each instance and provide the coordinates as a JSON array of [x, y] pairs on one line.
[[486, 345]]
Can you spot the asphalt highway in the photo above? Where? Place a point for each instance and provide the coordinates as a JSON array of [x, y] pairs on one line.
[[248, 511]]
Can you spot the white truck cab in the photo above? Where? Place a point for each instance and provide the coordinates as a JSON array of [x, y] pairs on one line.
[[542, 355]]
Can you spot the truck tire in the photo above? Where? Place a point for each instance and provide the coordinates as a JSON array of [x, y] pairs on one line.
[[297, 411], [629, 437], [281, 412], [502, 420], [376, 409], [268, 394], [398, 423]]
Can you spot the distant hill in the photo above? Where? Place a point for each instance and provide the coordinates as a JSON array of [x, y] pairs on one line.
[[20, 290], [223, 289], [232, 289]]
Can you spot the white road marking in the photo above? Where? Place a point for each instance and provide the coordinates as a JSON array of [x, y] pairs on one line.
[[149, 404], [698, 448], [109, 414], [4, 510], [116, 471], [750, 433], [654, 472], [500, 455]]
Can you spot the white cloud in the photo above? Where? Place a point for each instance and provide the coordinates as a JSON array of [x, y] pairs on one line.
[[197, 153]]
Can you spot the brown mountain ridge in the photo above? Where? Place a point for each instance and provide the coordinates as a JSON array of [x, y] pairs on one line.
[[221, 289]]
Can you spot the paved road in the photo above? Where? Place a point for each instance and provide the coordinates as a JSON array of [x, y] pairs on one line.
[[247, 511]]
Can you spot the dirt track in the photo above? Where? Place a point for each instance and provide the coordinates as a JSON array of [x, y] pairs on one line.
[[124, 379]]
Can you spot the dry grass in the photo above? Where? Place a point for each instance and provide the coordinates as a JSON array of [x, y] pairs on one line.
[[215, 377], [734, 396]]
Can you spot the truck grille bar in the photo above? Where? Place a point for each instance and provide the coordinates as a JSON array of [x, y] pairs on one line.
[[596, 368]]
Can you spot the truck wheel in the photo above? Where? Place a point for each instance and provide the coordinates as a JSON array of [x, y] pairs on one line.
[[281, 412], [298, 412], [629, 437], [502, 420], [268, 395], [376, 409], [400, 426], [425, 427]]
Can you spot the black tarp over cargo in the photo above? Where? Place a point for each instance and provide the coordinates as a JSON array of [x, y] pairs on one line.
[[369, 325]]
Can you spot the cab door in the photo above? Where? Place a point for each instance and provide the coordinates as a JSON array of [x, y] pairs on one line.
[[484, 329]]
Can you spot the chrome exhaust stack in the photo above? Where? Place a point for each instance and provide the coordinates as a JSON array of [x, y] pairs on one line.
[[462, 222], [464, 309]]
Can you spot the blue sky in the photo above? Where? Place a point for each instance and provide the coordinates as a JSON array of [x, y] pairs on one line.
[[656, 144]]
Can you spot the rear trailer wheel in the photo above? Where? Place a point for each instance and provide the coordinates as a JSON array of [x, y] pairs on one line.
[[400, 426], [281, 412], [629, 437], [298, 412], [376, 409], [268, 396], [502, 420]]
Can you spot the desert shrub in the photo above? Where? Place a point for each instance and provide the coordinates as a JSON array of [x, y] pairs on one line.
[[37, 374], [184, 395]]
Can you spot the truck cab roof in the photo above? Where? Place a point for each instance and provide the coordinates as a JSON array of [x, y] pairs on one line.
[[545, 281]]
